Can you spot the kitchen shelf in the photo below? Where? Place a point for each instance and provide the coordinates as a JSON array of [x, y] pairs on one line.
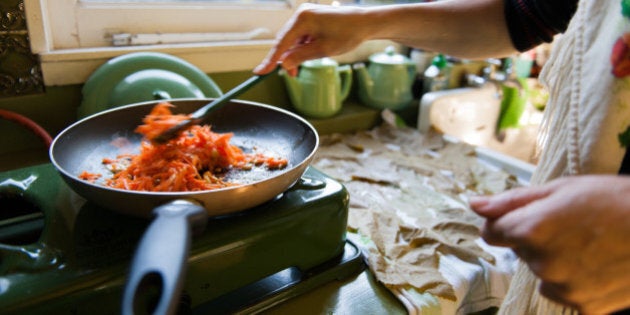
[[354, 116]]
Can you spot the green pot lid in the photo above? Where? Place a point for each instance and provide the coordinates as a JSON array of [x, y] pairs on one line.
[[320, 63], [389, 56], [143, 76]]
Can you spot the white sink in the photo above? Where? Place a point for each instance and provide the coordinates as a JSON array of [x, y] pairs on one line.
[[470, 115]]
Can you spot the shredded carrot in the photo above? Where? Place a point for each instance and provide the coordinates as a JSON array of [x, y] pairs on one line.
[[159, 120], [90, 177], [193, 161]]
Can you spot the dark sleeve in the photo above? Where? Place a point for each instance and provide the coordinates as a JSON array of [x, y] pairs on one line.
[[625, 170], [532, 22]]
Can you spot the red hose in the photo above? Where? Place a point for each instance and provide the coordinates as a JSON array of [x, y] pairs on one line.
[[28, 123]]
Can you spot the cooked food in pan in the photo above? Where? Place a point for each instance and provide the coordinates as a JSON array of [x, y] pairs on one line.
[[197, 159]]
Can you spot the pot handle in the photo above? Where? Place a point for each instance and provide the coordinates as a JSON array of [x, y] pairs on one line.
[[159, 264], [345, 72]]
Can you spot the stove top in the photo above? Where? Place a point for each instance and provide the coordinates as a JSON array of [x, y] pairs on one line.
[[62, 255]]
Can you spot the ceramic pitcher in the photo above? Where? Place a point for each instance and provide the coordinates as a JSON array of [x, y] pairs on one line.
[[320, 87], [387, 81]]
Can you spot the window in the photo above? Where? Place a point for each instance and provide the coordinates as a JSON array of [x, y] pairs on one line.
[[74, 37]]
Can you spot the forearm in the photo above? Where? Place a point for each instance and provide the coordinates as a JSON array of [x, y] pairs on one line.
[[466, 29]]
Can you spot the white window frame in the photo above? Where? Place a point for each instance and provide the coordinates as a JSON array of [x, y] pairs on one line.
[[73, 38]]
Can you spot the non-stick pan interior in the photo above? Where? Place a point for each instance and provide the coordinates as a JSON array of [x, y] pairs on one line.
[[82, 146]]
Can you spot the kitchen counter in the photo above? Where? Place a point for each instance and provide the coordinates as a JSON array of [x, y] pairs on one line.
[[354, 117], [360, 294], [357, 295], [407, 201]]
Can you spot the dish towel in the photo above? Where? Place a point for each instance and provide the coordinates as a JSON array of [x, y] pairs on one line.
[[477, 286], [408, 212]]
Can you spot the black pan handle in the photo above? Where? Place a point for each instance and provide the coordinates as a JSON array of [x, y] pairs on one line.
[[202, 114], [156, 277]]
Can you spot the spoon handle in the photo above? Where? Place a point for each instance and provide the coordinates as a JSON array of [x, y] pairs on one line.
[[202, 113]]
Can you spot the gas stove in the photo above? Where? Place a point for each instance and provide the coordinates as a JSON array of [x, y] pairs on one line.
[[60, 254]]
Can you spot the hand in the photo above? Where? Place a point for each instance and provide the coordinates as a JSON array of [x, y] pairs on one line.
[[574, 233], [315, 31]]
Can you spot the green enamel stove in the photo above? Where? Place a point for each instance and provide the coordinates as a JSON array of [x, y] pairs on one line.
[[60, 254]]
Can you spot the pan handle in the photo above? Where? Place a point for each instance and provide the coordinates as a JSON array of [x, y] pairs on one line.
[[157, 271]]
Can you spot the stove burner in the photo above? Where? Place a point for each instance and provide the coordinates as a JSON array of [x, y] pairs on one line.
[[21, 221]]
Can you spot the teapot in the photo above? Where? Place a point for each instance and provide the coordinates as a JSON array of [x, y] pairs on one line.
[[319, 88], [387, 81]]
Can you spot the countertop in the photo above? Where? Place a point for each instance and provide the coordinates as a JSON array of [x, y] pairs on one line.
[[360, 294]]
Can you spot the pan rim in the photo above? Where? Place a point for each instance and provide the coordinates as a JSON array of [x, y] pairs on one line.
[[182, 194]]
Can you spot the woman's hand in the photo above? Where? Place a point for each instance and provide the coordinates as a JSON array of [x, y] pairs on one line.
[[574, 233], [316, 31]]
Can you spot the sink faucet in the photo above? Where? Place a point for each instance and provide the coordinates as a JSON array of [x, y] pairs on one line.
[[497, 72]]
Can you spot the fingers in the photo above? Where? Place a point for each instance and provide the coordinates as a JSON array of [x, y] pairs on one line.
[[514, 217], [278, 54], [556, 292], [551, 228], [596, 302], [498, 205], [315, 31], [291, 56], [590, 290], [500, 235], [293, 35]]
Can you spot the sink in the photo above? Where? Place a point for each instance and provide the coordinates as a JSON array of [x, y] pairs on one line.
[[470, 115]]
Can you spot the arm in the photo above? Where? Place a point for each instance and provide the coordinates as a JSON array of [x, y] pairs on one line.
[[462, 28], [573, 233]]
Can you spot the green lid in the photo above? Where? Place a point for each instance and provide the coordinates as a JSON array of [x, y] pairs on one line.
[[143, 76], [320, 63], [389, 56]]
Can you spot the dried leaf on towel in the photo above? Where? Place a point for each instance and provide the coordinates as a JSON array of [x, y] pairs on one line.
[[408, 197]]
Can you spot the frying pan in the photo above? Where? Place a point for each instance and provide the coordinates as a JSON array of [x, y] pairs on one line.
[[160, 259]]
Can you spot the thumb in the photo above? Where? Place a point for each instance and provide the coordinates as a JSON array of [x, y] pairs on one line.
[[497, 205]]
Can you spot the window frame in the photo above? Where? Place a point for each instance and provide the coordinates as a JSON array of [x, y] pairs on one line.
[[72, 45]]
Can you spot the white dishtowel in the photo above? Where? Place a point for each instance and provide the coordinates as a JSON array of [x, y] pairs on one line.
[[478, 286]]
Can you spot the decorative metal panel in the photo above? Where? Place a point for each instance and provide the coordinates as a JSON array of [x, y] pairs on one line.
[[20, 72]]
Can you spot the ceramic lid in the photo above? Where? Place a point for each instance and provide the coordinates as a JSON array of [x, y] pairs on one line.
[[389, 56], [320, 63]]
